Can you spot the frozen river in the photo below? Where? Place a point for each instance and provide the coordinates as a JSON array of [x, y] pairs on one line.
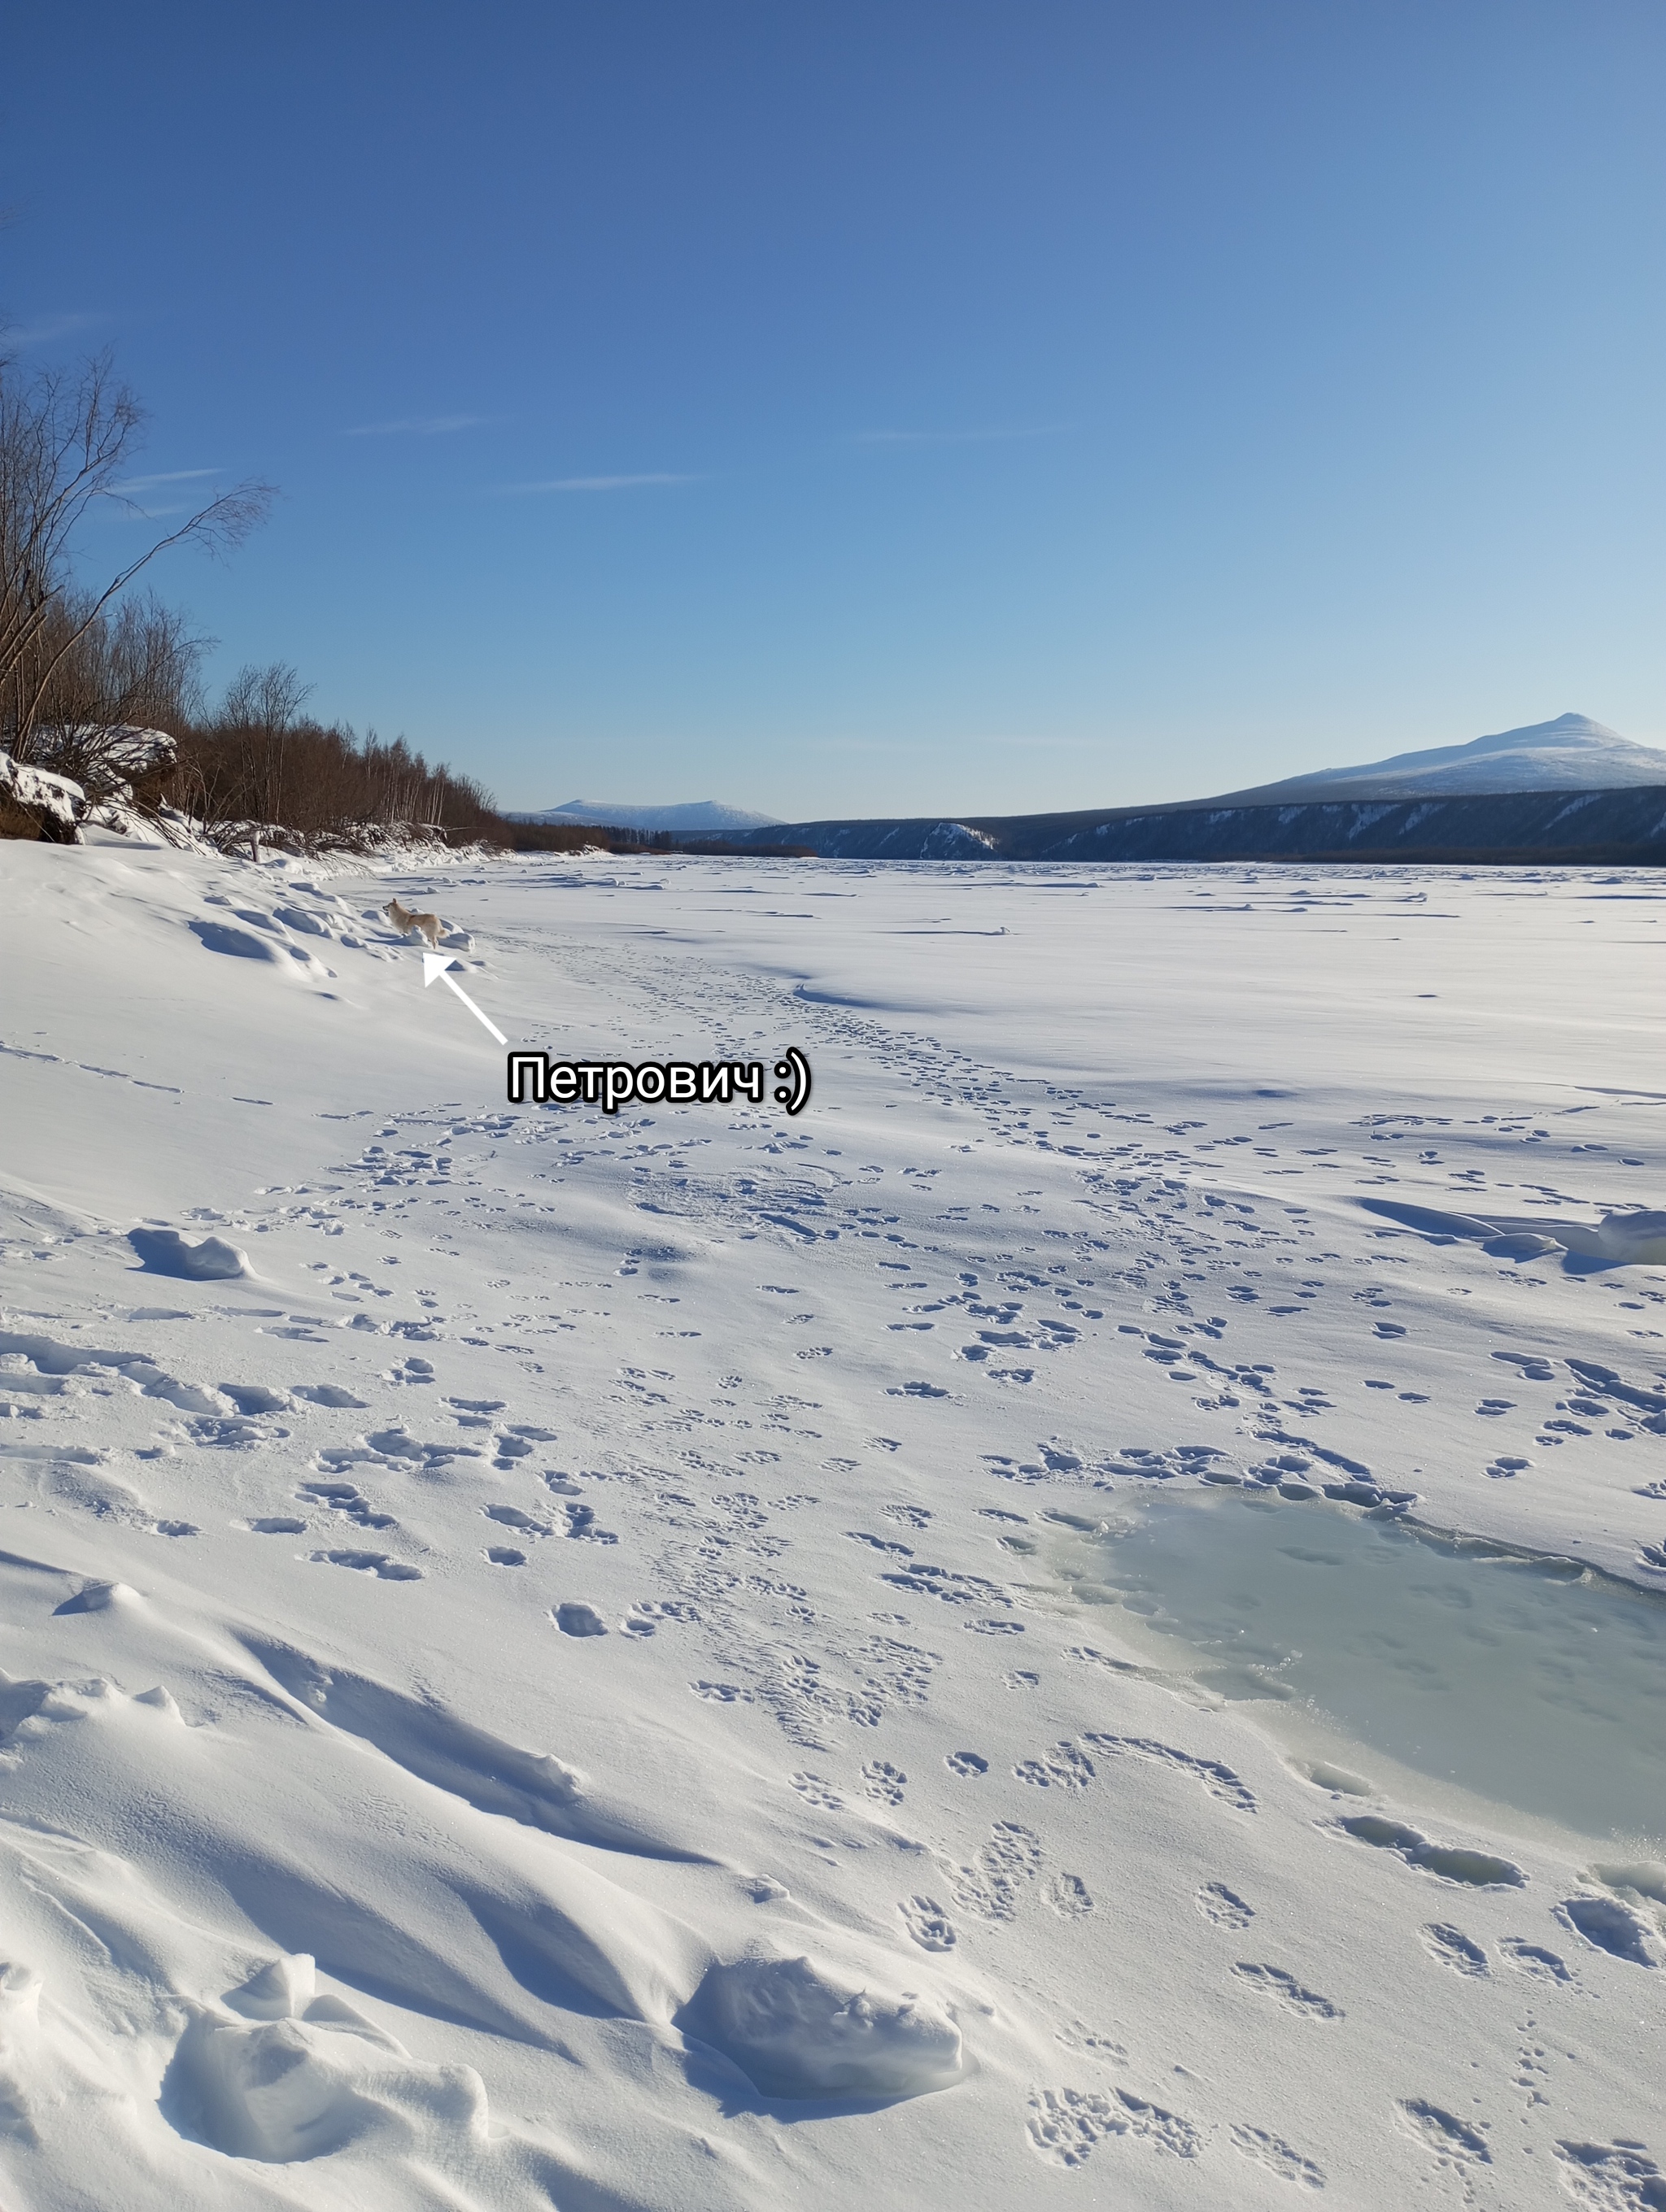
[[572, 1679]]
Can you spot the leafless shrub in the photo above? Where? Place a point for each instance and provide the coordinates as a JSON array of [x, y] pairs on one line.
[[129, 678]]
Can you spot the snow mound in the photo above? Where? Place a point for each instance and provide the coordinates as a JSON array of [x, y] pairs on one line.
[[279, 1991], [288, 2089], [95, 1597], [1636, 1238], [129, 751], [164, 1252], [1639, 1238], [794, 2030]]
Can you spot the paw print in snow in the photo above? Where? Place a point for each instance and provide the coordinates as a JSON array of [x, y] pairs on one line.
[[1223, 1907], [1066, 1767], [1068, 1895], [815, 1791], [927, 1923]]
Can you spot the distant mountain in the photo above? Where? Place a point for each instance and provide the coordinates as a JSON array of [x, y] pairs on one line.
[[1573, 753], [1562, 791], [701, 818]]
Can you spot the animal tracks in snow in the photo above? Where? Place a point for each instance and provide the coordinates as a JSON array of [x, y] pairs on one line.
[[1223, 1907], [1285, 1990], [1611, 2177], [1608, 1925], [1456, 2146], [372, 1563], [815, 1791], [1451, 1948], [993, 1885], [927, 1923], [1067, 2126], [1216, 1778], [1066, 1766], [1277, 2156], [1533, 1961], [1451, 1863], [883, 1781], [515, 1516], [1068, 1894]]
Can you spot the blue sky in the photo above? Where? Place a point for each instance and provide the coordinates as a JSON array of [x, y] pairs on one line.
[[888, 406]]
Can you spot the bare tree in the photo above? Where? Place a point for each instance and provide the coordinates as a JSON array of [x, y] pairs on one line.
[[131, 675], [258, 713], [256, 761], [67, 440]]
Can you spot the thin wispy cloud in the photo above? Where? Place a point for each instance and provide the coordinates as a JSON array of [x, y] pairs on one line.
[[45, 330], [133, 484], [990, 437], [642, 479], [418, 426], [133, 504], [1037, 743]]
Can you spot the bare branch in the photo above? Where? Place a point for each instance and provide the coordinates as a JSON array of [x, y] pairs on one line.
[[67, 438], [220, 527]]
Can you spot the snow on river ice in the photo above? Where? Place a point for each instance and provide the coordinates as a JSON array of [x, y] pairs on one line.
[[557, 1664]]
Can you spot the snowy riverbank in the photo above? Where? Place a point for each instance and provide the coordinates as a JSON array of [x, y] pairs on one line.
[[567, 1683]]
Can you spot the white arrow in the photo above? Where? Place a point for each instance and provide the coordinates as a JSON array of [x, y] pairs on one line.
[[437, 963]]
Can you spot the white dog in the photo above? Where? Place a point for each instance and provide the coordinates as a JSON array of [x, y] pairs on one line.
[[418, 924]]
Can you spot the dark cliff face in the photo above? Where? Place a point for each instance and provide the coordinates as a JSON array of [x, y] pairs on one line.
[[924, 838], [1606, 828]]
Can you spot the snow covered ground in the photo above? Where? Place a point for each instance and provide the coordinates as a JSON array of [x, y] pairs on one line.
[[587, 1676]]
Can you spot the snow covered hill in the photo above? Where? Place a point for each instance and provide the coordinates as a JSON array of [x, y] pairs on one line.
[[702, 817], [552, 1658], [1573, 753]]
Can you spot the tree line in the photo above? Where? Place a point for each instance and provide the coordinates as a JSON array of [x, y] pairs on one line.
[[89, 670]]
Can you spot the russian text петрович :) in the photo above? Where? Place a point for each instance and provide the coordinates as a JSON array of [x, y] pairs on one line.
[[535, 1078]]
